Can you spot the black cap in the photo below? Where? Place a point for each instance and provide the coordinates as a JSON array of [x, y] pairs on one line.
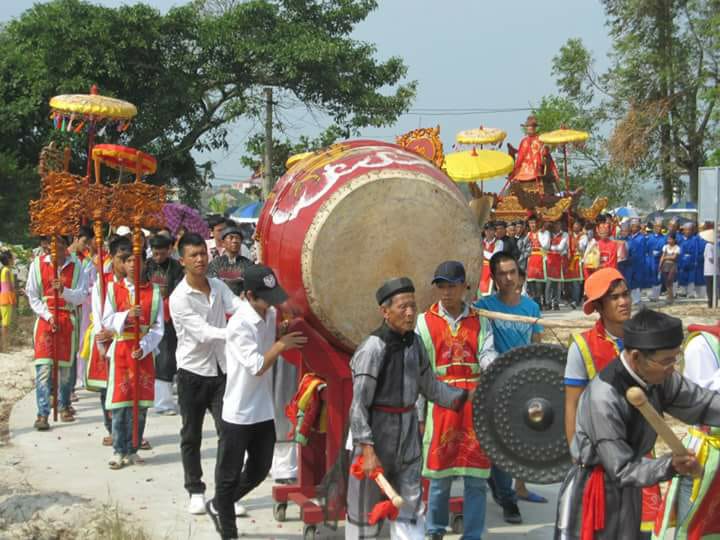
[[392, 287], [231, 230], [652, 330], [450, 271], [160, 241], [500, 223], [489, 225], [261, 281]]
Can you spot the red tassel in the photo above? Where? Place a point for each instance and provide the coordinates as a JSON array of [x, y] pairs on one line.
[[593, 504], [383, 510]]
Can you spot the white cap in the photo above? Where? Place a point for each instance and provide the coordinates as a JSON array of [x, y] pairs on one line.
[[145, 232], [123, 230]]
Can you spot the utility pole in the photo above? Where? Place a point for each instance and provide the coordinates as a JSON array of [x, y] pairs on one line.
[[267, 184]]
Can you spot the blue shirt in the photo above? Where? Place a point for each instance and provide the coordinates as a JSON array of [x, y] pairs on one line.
[[511, 334]]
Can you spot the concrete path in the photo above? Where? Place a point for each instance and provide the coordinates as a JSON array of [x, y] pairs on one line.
[[71, 458]]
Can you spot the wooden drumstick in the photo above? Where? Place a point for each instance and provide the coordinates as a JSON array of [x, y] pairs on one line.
[[639, 400], [389, 491]]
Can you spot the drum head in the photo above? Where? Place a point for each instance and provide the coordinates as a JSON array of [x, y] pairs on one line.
[[384, 224]]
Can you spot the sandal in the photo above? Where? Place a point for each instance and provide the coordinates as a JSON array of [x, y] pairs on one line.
[[145, 445], [66, 416], [107, 440], [116, 462], [532, 497]]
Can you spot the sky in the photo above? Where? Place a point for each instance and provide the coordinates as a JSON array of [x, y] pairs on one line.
[[465, 54]]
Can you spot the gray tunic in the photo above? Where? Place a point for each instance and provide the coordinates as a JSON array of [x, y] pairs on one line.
[[390, 372], [612, 433]]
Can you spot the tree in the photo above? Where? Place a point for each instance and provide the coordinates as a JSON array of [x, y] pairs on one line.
[[191, 72], [283, 149], [661, 90]]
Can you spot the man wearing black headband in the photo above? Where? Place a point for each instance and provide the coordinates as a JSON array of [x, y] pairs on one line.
[[601, 494], [390, 370]]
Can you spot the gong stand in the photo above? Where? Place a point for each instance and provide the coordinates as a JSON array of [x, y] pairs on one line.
[[141, 205], [57, 212]]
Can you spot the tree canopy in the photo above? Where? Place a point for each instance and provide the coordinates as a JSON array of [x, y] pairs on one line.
[[191, 72], [660, 95]]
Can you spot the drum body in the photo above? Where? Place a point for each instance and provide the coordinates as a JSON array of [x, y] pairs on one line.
[[345, 219]]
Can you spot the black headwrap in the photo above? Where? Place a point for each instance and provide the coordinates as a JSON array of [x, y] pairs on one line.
[[392, 287], [651, 330]]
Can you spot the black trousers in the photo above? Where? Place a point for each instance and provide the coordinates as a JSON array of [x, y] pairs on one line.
[[232, 482], [107, 418], [196, 395], [165, 364], [709, 289]]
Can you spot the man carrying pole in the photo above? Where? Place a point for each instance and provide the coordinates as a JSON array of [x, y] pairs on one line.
[[55, 286]]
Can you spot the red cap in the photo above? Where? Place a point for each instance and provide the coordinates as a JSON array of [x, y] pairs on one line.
[[597, 286]]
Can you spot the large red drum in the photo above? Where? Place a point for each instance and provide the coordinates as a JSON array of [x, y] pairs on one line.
[[344, 219]]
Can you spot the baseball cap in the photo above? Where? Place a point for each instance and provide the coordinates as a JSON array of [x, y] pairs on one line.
[[450, 271], [597, 286], [261, 281], [123, 230]]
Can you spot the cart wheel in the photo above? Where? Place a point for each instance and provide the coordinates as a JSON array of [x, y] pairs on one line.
[[279, 510], [310, 532], [458, 525]]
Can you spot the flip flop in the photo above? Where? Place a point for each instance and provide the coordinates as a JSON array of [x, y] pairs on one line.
[[532, 497]]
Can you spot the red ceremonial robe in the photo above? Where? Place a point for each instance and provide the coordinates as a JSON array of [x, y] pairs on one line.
[[96, 372], [555, 261], [451, 447], [536, 260], [123, 368], [66, 339]]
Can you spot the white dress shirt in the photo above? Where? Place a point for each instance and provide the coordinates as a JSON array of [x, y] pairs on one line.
[[34, 290], [544, 238], [248, 396], [562, 246], [115, 321], [200, 323]]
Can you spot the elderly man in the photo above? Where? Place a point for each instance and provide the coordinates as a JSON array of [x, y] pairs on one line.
[[231, 265], [602, 493], [390, 369]]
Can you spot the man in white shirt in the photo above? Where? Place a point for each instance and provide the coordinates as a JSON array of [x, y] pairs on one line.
[[247, 414], [199, 306]]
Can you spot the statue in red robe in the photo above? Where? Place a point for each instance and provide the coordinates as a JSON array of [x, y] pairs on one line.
[[533, 162]]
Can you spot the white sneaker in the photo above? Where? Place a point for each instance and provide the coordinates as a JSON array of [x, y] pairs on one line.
[[197, 504], [240, 510]]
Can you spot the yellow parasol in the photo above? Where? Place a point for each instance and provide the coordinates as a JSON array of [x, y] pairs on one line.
[[93, 106], [564, 136], [474, 165], [296, 158], [481, 135], [72, 112]]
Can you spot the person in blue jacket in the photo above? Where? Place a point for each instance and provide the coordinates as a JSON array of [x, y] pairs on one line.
[[655, 242], [637, 248], [688, 260]]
